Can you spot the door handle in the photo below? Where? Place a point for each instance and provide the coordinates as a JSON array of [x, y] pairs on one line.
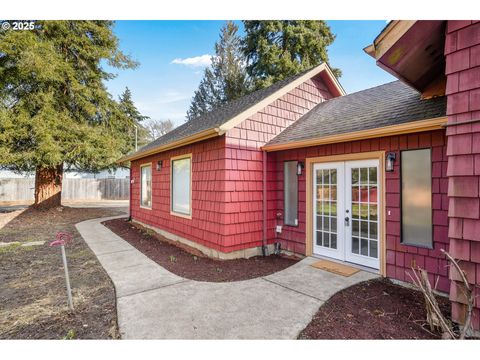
[[347, 221]]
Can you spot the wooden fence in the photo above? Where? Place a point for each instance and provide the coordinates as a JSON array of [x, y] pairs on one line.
[[72, 189]]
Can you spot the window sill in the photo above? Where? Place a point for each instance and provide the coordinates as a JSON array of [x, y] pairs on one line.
[[184, 216], [417, 246], [145, 207]]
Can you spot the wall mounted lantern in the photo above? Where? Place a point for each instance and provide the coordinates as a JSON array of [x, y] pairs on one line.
[[391, 156], [159, 165], [300, 167]]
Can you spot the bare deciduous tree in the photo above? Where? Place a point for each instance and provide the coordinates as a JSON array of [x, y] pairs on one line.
[[157, 128]]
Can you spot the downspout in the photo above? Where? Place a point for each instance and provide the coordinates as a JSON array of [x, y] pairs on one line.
[[264, 241], [130, 196]]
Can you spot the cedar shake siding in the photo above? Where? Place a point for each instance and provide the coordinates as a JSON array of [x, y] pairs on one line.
[[399, 258], [226, 177], [462, 53], [208, 194], [244, 171]]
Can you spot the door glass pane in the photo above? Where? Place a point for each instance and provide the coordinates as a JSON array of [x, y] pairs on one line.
[[373, 216], [355, 177], [333, 208], [364, 229], [326, 207], [365, 211], [364, 247], [355, 227], [373, 249], [355, 245], [372, 175], [355, 211], [373, 230], [326, 223], [326, 177], [364, 175], [333, 241]]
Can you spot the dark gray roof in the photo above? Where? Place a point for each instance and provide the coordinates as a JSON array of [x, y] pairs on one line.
[[389, 104], [219, 116]]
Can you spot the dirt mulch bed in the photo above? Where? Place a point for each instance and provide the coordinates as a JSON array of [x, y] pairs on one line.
[[32, 291], [189, 263], [376, 309]]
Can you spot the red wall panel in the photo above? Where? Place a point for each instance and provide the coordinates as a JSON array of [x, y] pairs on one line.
[[208, 193], [462, 47], [226, 178], [244, 172], [400, 257]]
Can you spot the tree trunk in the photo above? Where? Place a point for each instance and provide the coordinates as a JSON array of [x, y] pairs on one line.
[[48, 187]]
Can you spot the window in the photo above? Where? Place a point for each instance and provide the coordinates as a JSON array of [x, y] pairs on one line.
[[290, 193], [146, 186], [181, 185], [416, 169]]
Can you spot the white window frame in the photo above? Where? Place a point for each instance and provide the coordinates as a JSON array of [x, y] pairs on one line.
[[151, 186], [172, 212]]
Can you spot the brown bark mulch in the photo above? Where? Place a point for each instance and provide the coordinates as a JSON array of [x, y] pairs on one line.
[[33, 300], [375, 309], [190, 263]]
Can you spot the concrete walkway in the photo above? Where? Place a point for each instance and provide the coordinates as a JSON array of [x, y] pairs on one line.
[[153, 303]]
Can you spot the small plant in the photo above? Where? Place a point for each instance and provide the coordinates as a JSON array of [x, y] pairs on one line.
[[70, 335], [173, 258]]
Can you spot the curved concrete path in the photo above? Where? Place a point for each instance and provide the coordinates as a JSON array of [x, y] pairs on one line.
[[153, 303]]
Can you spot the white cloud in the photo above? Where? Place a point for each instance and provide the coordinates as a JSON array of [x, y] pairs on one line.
[[196, 61]]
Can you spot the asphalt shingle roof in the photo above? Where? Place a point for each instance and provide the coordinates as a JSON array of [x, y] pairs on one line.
[[219, 116], [389, 104]]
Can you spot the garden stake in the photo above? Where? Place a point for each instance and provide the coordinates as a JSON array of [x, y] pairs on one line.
[[61, 240]]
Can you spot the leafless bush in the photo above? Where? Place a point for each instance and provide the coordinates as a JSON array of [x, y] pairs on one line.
[[435, 319]]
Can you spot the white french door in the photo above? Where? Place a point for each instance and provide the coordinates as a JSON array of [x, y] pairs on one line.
[[346, 218]]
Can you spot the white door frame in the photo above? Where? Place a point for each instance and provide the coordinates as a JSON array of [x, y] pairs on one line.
[[344, 209]]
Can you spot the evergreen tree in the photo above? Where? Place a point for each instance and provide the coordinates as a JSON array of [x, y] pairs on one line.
[[277, 49], [226, 78], [54, 107], [127, 107]]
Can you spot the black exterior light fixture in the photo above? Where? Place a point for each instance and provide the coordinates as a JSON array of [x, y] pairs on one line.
[[391, 156], [300, 167], [159, 165]]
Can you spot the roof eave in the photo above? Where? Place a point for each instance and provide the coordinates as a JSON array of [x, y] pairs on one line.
[[335, 87], [203, 135], [405, 128], [388, 37]]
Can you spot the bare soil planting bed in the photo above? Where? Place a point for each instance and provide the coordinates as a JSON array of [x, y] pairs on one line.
[[375, 309], [189, 263], [33, 302]]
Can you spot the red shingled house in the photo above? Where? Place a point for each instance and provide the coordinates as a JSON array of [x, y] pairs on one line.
[[383, 178]]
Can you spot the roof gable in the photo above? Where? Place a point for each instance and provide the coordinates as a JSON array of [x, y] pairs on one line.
[[224, 118], [380, 107]]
